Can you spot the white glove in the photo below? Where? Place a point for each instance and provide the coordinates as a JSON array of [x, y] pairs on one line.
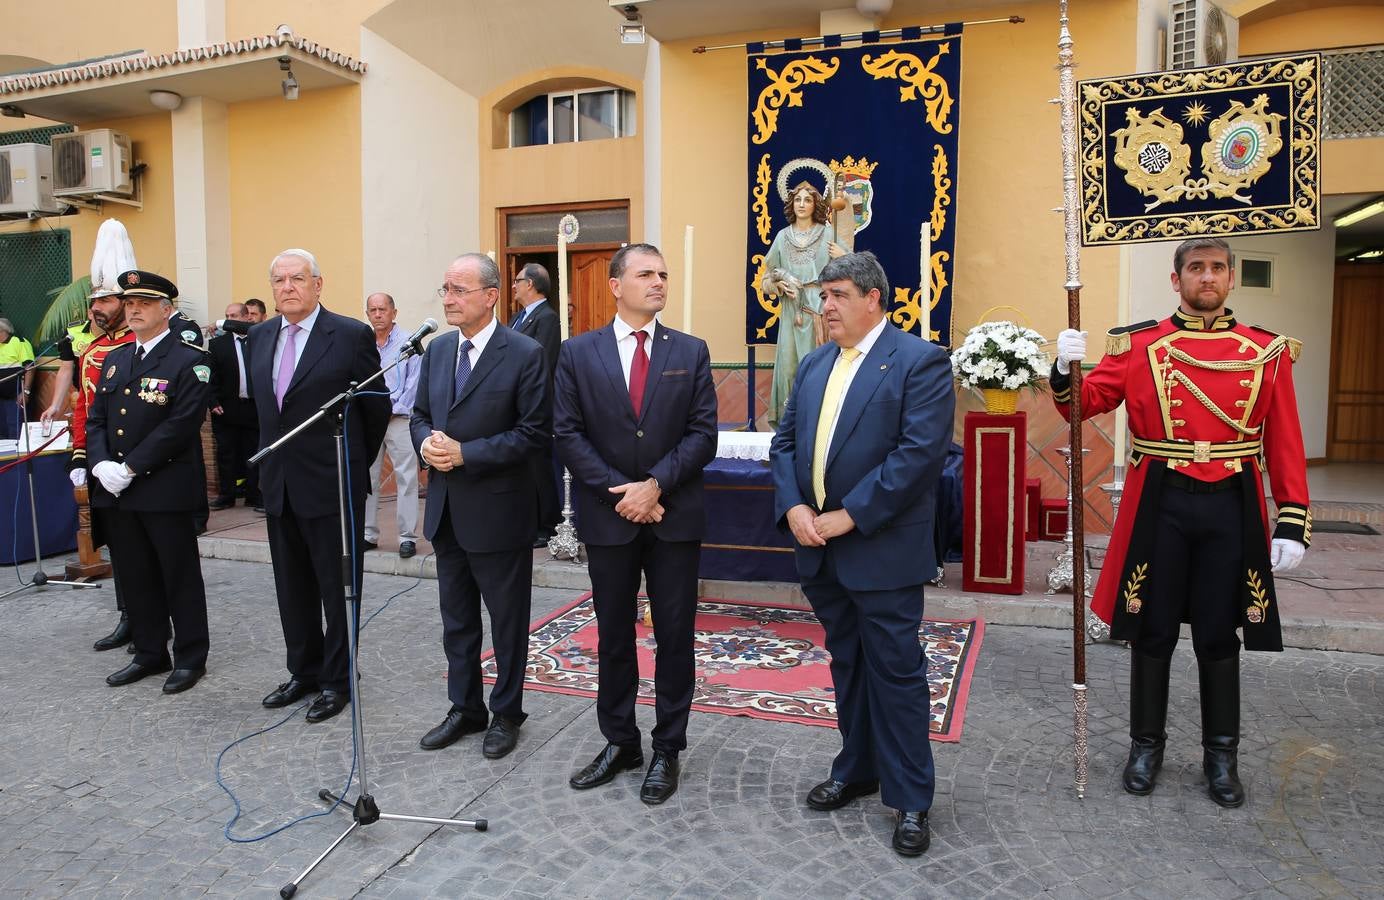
[[1071, 347], [1285, 554], [112, 476], [77, 476]]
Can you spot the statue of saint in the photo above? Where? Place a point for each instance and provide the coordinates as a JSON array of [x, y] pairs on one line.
[[791, 268]]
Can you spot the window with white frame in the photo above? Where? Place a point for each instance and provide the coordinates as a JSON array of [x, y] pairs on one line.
[[561, 117]]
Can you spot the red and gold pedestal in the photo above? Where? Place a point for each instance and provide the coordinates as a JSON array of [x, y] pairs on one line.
[[994, 521]]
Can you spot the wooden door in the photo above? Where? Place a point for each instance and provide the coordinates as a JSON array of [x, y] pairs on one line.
[[593, 305], [1355, 418]]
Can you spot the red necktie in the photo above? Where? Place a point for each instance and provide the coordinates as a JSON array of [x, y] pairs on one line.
[[639, 373]]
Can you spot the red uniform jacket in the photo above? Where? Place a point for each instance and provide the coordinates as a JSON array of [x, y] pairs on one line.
[[1209, 403]]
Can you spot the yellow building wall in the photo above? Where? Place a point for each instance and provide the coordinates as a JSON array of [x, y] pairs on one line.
[[1349, 165], [62, 31], [1009, 242], [295, 182], [333, 23], [1327, 27], [556, 173]]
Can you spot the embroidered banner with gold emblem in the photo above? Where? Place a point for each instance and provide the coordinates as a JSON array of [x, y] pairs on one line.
[[1230, 149], [875, 126]]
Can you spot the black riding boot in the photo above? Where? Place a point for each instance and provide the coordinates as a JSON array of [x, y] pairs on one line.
[[1220, 729], [1148, 717]]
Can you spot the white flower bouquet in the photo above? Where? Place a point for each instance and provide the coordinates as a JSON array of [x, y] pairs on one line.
[[1000, 356]]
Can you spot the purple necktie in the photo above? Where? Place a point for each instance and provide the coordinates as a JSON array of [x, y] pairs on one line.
[[286, 364]]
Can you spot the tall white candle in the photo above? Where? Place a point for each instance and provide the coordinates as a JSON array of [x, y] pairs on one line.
[[687, 281], [1122, 316], [562, 313], [925, 277]]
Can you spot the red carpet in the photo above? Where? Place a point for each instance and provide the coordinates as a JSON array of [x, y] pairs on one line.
[[768, 662]]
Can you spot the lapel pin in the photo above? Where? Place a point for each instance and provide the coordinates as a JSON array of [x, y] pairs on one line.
[[665, 337]]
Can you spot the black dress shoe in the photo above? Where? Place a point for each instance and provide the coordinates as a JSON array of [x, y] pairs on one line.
[[117, 638], [912, 836], [327, 704], [451, 730], [662, 780], [220, 503], [291, 691], [832, 794], [611, 761], [367, 546], [501, 738], [134, 672], [407, 549], [182, 679]]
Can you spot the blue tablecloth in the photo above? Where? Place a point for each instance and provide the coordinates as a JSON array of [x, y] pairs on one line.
[[743, 543], [57, 509]]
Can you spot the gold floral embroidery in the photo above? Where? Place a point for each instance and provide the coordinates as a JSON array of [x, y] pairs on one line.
[[760, 207], [920, 82], [1133, 602], [785, 87], [1257, 611]]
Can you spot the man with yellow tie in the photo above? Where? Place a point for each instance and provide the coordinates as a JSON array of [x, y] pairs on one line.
[[874, 405]]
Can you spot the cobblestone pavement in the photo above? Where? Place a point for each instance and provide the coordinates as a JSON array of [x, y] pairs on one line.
[[111, 792]]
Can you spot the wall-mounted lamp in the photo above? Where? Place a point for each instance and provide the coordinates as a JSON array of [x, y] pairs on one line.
[[167, 100], [632, 29], [1359, 214], [290, 84]]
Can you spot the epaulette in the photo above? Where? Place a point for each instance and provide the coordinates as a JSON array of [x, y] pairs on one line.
[[187, 343], [1117, 340], [1294, 345]]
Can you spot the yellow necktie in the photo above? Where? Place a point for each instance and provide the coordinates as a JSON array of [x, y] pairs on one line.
[[831, 402]]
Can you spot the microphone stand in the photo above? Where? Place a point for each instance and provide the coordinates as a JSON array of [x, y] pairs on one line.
[[365, 811], [40, 577]]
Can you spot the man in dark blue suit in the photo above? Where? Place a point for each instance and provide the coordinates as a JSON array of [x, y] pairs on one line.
[[480, 415], [856, 461], [299, 360], [635, 421]]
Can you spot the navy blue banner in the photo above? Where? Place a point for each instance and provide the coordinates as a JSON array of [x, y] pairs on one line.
[[1224, 150], [875, 129]]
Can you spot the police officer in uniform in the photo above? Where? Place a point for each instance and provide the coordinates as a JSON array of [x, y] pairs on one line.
[[1211, 407], [144, 452]]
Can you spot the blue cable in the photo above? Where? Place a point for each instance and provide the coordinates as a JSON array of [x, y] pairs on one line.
[[351, 775]]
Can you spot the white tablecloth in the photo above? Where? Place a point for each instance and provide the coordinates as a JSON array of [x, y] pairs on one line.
[[743, 444]]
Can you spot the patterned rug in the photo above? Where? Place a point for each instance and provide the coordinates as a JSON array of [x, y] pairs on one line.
[[768, 662]]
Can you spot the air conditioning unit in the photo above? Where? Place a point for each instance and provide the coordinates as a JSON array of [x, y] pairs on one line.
[[1200, 33], [26, 180], [92, 162]]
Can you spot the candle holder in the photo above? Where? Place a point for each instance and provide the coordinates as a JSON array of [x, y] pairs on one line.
[[564, 543], [1061, 576]]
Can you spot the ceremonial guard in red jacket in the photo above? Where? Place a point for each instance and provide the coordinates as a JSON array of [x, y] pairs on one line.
[[113, 255], [1211, 407]]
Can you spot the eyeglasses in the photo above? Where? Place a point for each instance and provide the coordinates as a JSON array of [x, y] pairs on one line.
[[457, 292], [517, 280]]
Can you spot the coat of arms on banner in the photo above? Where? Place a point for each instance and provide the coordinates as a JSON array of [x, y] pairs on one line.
[[1225, 150]]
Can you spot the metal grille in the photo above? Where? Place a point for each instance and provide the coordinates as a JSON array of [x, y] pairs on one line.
[[34, 135], [32, 263], [1353, 103]]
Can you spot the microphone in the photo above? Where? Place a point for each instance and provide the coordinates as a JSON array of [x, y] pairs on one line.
[[413, 344], [234, 326]]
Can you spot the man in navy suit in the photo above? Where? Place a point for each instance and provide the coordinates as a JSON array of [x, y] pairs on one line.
[[856, 461], [480, 415], [635, 422], [299, 360], [537, 319]]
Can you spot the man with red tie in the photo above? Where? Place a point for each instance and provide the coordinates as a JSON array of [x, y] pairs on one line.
[[635, 419]]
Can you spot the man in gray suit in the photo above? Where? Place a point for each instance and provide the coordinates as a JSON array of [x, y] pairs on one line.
[[480, 413]]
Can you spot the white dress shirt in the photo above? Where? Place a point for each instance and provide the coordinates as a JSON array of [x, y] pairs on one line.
[[864, 347], [625, 343], [238, 342], [153, 342], [299, 344]]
